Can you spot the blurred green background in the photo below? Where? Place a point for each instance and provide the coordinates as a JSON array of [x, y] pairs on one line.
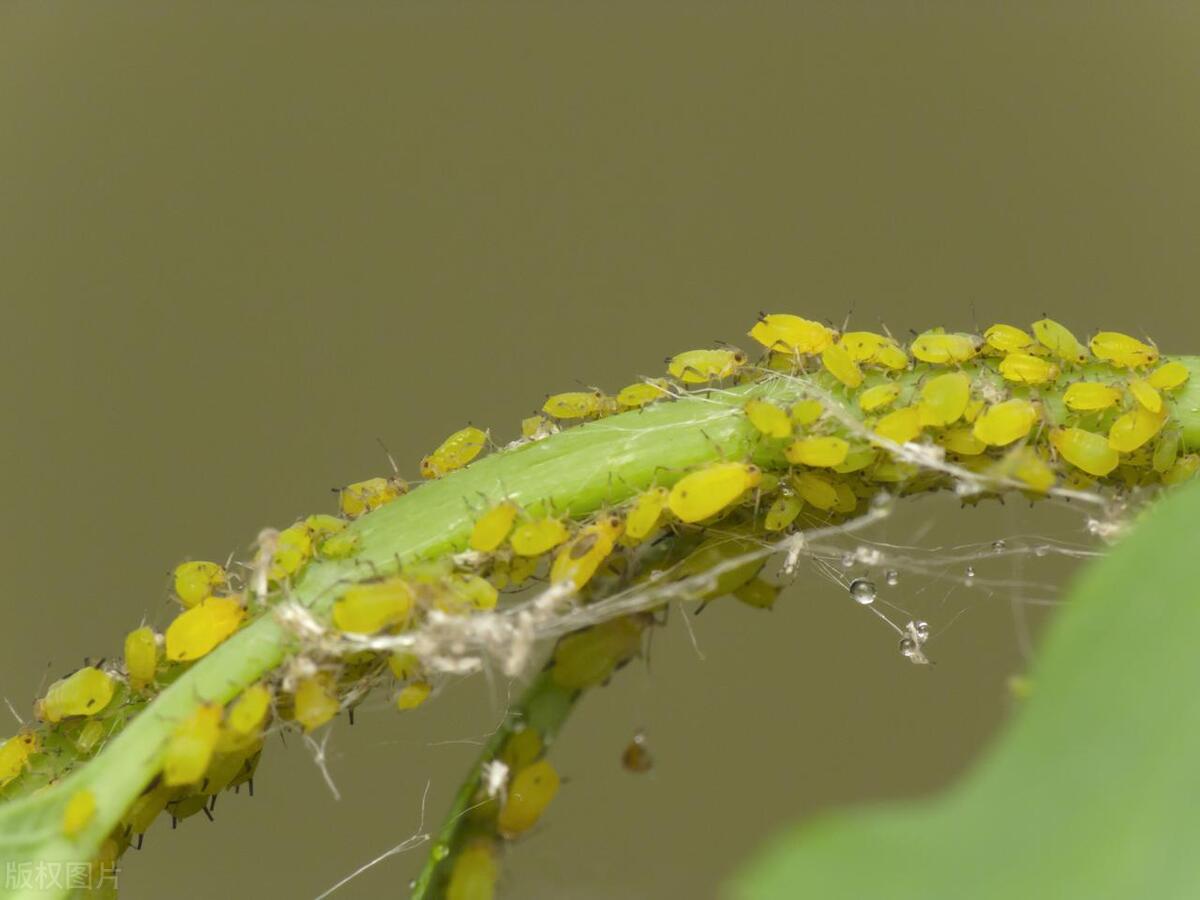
[[240, 242]]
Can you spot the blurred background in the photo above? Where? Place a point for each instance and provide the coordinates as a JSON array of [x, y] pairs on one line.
[[240, 244]]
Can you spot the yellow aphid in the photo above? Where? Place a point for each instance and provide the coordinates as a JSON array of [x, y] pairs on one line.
[[588, 658], [84, 692], [847, 501], [413, 695], [962, 441], [641, 393], [293, 548], [368, 608], [901, 425], [1089, 396], [1024, 465], [574, 404], [493, 527], [523, 748], [249, 711], [974, 407], [1025, 368], [863, 346], [530, 793], [364, 496], [190, 747], [1059, 340], [322, 525], [196, 580], [79, 812], [768, 418], [1166, 452], [791, 334], [1085, 450], [857, 459], [700, 366], [14, 754], [1003, 423], [534, 428], [944, 349], [141, 656], [405, 665], [454, 452], [783, 512], [1185, 467], [645, 512], [712, 489], [1122, 350], [315, 701], [339, 546], [198, 630], [90, 735], [1145, 394], [474, 874], [536, 536], [890, 356], [1168, 376], [470, 593], [1007, 338], [1134, 429], [805, 412], [758, 593], [819, 452], [880, 396], [944, 399], [815, 490], [578, 559], [837, 362]]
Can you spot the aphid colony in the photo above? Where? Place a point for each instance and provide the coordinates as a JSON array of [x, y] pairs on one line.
[[825, 413]]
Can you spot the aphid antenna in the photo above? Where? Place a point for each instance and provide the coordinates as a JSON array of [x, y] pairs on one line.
[[388, 454]]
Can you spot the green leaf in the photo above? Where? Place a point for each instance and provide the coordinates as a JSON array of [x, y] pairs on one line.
[[1095, 789]]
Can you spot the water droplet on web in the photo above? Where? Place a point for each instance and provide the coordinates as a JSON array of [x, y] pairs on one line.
[[970, 573], [908, 647], [1041, 550], [921, 630], [862, 590], [892, 577], [847, 560], [999, 545]]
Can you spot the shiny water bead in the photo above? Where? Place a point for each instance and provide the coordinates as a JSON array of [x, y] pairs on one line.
[[768, 418], [404, 665], [455, 452], [190, 747], [758, 593], [700, 366], [368, 608], [340, 546], [962, 441], [588, 658], [1007, 338], [413, 695], [1090, 396], [198, 630], [791, 334], [879, 396], [141, 656], [1003, 423], [815, 490], [837, 362], [315, 701], [363, 496], [530, 793], [710, 490], [636, 756], [637, 395], [1085, 450], [293, 548], [196, 580], [84, 692], [944, 399], [1059, 340], [14, 754], [1165, 452], [1133, 429], [644, 513], [1025, 368], [944, 349], [493, 527], [471, 594], [901, 425], [805, 412], [1145, 394], [1168, 376], [1122, 350], [248, 713], [579, 559], [862, 591], [857, 459], [817, 451], [783, 512], [537, 536], [474, 873], [81, 809]]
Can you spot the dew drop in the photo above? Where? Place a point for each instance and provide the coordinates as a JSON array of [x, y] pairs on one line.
[[921, 630], [892, 577], [862, 590], [999, 546], [1041, 550], [847, 560], [970, 573], [908, 647]]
